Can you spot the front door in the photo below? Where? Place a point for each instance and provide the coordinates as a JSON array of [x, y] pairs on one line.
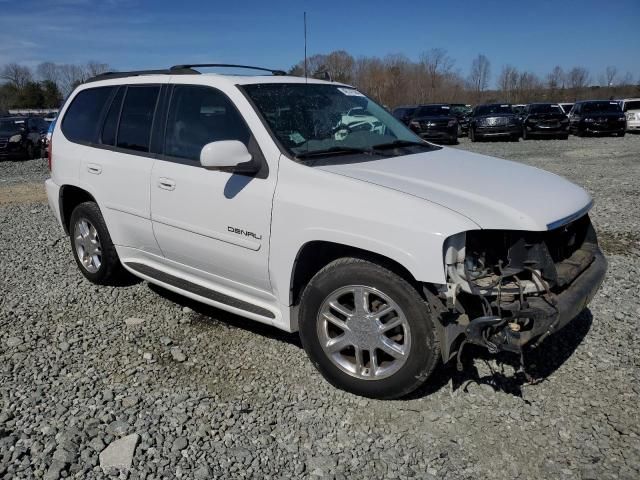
[[213, 223]]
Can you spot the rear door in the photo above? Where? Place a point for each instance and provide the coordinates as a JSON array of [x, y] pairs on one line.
[[214, 224], [118, 168]]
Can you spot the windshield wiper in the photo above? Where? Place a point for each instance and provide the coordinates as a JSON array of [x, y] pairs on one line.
[[399, 143], [333, 151]]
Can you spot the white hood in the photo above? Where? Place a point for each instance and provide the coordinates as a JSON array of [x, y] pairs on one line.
[[493, 193]]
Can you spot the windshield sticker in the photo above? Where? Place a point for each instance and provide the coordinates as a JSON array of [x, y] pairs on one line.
[[296, 138], [613, 103], [554, 106], [445, 108], [504, 106], [19, 121], [352, 92]]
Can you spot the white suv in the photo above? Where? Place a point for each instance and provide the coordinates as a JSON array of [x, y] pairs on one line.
[[386, 253], [631, 109]]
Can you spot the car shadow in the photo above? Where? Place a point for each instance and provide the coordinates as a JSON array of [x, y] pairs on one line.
[[540, 363], [207, 316]]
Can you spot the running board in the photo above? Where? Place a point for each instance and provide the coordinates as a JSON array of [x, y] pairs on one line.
[[199, 290]]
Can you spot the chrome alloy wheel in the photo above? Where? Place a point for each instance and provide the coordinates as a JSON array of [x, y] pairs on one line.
[[87, 243], [363, 332]]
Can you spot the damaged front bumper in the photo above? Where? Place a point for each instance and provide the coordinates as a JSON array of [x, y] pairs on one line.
[[538, 286]]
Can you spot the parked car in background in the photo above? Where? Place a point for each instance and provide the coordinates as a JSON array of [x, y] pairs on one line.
[[597, 117], [357, 119], [435, 122], [495, 120], [404, 113], [462, 112], [631, 109], [566, 107], [21, 137], [50, 118], [519, 109], [544, 119]]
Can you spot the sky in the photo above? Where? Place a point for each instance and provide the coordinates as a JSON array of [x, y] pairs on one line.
[[135, 34]]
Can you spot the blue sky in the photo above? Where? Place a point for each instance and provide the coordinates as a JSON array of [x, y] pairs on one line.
[[131, 34]]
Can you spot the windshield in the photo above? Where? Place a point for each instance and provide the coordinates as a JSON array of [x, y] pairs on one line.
[[461, 109], [601, 107], [633, 105], [433, 111], [11, 126], [491, 109], [545, 108], [309, 118]]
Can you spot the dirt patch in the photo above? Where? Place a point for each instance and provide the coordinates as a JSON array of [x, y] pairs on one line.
[[619, 243], [23, 193]]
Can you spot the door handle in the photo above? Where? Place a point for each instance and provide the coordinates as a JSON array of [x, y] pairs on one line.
[[94, 168], [166, 184]]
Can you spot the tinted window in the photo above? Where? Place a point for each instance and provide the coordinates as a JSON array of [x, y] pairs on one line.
[[201, 115], [593, 107], [136, 118], [80, 123], [632, 105], [111, 122], [433, 110], [545, 108], [493, 109]]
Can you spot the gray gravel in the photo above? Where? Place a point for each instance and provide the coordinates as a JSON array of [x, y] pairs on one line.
[[212, 395]]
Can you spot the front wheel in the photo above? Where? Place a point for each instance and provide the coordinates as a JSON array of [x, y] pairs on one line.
[[472, 135], [367, 330]]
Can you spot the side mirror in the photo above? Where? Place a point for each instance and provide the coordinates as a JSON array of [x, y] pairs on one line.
[[224, 154]]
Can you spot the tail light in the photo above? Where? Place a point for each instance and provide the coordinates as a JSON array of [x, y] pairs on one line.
[[50, 153]]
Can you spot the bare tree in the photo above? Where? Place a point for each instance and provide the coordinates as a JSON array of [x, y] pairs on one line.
[[578, 78], [610, 75], [70, 77], [48, 72], [529, 87], [480, 72], [437, 65], [16, 75], [340, 65], [95, 68], [628, 79], [556, 78], [508, 82]]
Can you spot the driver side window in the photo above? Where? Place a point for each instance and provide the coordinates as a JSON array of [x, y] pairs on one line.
[[199, 115]]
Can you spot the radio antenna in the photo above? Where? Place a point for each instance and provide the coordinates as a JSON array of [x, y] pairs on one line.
[[305, 45]]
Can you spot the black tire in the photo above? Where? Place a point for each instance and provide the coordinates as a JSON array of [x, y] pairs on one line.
[[622, 134], [30, 151], [525, 136], [110, 271], [564, 136], [472, 135], [424, 352], [515, 137]]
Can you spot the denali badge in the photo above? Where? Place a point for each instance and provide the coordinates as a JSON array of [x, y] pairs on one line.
[[239, 231]]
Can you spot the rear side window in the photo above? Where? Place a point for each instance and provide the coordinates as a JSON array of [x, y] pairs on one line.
[[136, 119], [200, 115], [80, 123], [111, 122]]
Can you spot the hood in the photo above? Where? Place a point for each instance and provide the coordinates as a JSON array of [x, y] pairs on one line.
[[493, 193]]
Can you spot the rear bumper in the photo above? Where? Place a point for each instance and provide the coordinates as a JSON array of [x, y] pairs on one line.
[[53, 197]]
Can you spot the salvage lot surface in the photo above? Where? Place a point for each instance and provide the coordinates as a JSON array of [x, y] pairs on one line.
[[213, 395]]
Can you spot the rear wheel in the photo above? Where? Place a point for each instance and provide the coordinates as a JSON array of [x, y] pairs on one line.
[[525, 136], [30, 151], [472, 134], [367, 330], [564, 136], [92, 247]]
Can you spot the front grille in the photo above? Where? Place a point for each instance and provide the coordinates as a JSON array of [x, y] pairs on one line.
[[497, 121], [434, 124]]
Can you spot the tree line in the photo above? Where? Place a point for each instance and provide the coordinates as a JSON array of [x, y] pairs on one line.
[[391, 80], [45, 86], [396, 79]]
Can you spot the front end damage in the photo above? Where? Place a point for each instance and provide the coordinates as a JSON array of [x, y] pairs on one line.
[[509, 289]]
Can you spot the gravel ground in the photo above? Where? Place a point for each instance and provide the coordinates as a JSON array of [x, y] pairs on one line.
[[204, 394]]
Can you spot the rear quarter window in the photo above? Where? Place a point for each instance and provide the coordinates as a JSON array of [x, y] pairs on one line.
[[80, 122]]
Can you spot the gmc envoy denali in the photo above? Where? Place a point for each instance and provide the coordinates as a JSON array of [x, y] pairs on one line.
[[388, 254]]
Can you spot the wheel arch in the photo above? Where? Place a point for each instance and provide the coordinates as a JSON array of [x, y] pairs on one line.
[[70, 197], [316, 254]]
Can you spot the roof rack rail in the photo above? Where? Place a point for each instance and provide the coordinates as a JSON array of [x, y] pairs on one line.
[[135, 73], [227, 65]]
